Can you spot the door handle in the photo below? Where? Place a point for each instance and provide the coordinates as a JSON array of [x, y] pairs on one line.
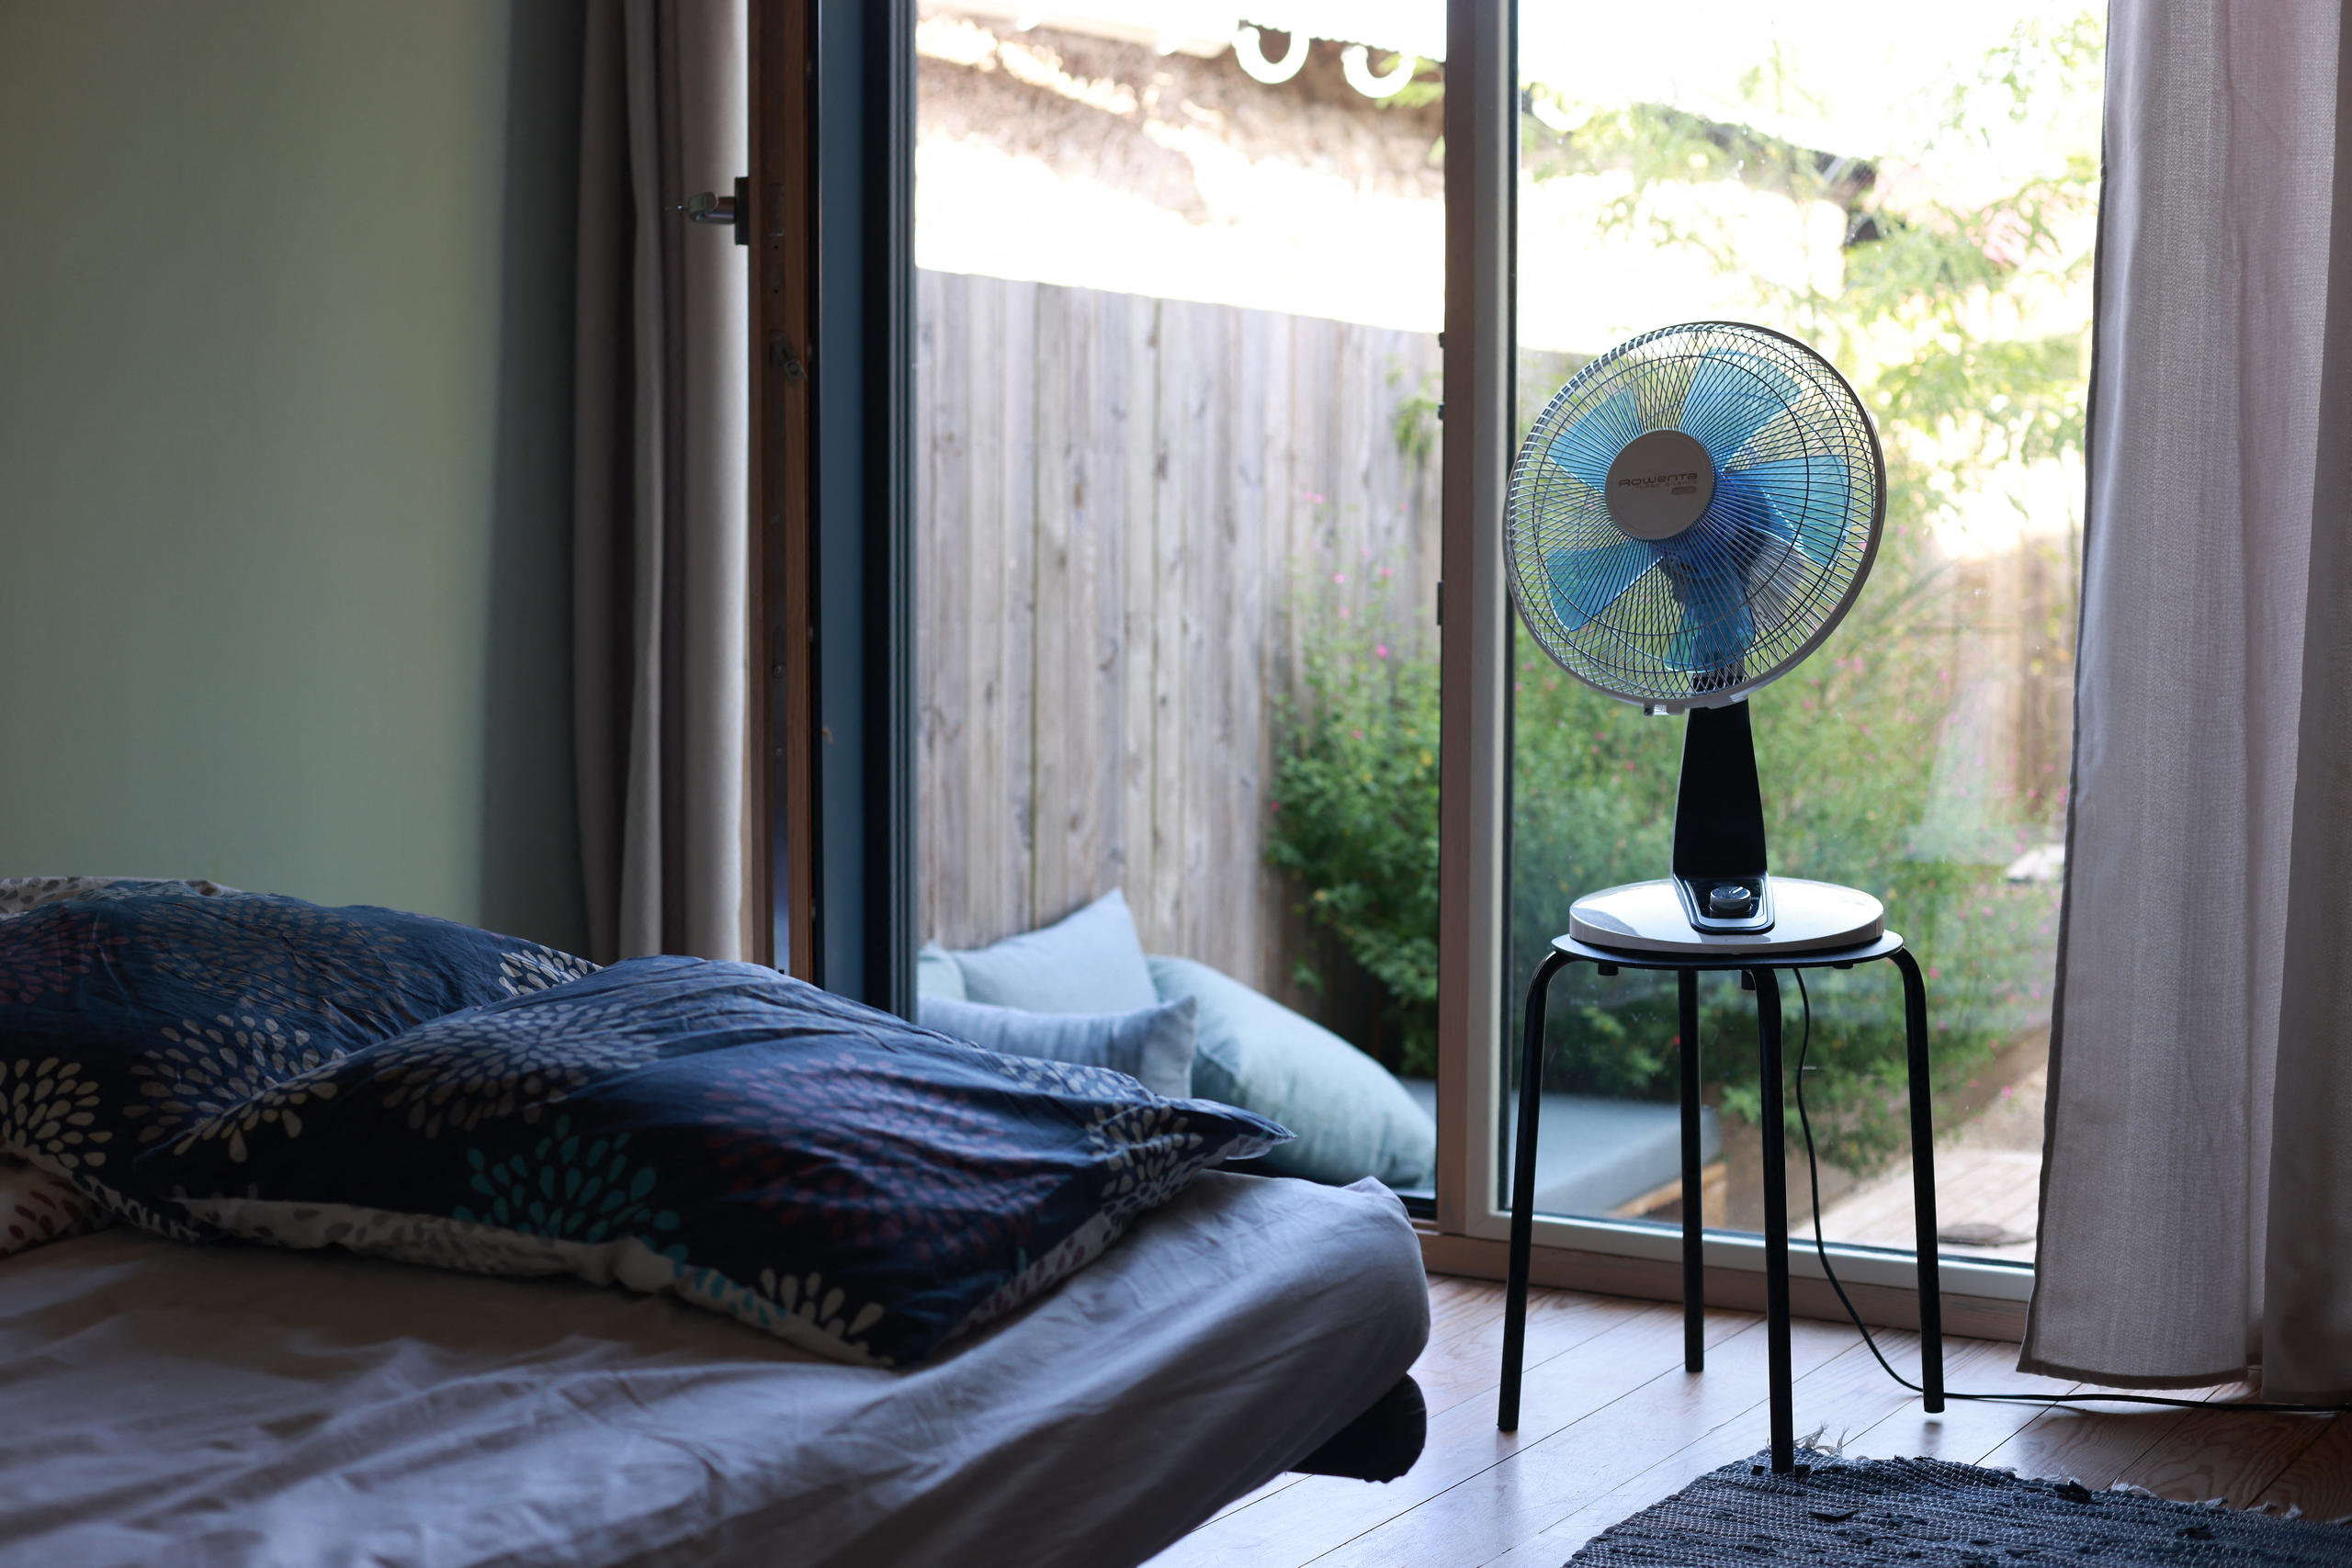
[[707, 207]]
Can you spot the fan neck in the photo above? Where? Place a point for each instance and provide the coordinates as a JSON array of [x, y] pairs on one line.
[[1719, 823]]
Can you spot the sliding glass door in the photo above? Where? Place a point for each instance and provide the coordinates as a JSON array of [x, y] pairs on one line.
[[1179, 294], [1912, 190], [1224, 340]]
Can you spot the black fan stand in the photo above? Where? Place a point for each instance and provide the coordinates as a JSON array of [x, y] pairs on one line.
[[1719, 868], [1719, 856]]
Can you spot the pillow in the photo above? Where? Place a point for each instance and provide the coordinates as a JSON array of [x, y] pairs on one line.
[[19, 894], [936, 974], [1090, 962], [1152, 1045], [210, 997], [1352, 1117], [36, 1207], [815, 1168]]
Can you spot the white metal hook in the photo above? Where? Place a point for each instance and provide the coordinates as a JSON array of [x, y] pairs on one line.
[[1249, 53], [1355, 63]]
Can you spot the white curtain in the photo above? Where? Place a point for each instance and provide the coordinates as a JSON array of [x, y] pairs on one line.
[[2197, 1198], [661, 524]]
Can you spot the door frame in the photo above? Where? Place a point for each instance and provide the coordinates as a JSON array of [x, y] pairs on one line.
[[831, 357]]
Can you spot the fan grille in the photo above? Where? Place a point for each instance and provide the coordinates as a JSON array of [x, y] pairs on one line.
[[1762, 578]]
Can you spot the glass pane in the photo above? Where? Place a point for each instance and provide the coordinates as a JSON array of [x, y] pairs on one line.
[[1178, 301], [1911, 189]]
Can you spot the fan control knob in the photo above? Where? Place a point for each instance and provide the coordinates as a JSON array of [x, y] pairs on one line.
[[1731, 899]]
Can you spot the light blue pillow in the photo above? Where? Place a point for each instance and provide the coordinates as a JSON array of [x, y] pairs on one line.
[[935, 973], [1090, 963], [1152, 1045], [1352, 1117]]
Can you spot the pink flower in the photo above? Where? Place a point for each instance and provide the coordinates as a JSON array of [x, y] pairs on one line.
[[1355, 734], [1387, 572], [1339, 576], [1380, 650]]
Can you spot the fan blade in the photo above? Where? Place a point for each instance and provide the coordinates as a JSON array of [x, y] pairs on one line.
[[1585, 582], [1802, 502], [1717, 628], [1733, 397], [1587, 447]]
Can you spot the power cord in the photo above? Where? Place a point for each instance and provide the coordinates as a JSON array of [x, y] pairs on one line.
[[1821, 1249]]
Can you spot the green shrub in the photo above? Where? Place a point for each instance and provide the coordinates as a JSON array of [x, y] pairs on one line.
[[1354, 811]]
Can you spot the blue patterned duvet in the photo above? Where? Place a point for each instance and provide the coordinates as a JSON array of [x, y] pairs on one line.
[[212, 1065]]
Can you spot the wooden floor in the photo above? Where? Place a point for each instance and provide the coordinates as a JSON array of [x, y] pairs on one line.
[[1610, 1423]]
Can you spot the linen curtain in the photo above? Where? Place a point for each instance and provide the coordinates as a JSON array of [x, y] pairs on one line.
[[661, 531], [2197, 1197]]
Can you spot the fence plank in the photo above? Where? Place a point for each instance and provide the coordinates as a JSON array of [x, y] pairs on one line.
[[1138, 527], [1060, 392], [943, 494], [1242, 935]]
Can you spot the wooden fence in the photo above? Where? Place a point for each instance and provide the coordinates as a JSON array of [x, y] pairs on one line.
[[1122, 505]]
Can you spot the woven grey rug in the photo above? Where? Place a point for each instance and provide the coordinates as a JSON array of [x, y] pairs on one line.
[[1923, 1513]]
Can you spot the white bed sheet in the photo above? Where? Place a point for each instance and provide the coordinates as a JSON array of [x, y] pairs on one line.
[[164, 1404]]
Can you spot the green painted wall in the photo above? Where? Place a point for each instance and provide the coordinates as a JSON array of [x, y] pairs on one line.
[[285, 403]]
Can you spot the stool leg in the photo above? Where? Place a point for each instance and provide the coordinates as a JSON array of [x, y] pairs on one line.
[[1776, 1224], [1522, 1192], [1694, 1270], [1922, 1184]]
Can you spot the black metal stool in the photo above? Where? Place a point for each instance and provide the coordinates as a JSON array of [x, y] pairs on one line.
[[1759, 960]]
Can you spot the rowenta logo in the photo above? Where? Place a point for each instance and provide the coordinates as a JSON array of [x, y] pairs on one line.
[[1677, 484]]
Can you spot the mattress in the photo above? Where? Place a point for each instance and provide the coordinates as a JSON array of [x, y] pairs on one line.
[[236, 1404]]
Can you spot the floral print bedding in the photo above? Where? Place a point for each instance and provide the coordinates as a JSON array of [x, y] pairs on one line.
[[212, 1064], [36, 1207]]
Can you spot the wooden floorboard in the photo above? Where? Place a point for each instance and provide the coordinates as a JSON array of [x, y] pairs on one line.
[[2318, 1484], [2234, 1456], [2096, 1445], [1534, 1485], [1610, 1423], [1300, 1523]]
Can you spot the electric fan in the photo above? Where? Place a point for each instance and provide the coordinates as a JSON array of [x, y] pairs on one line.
[[1690, 515]]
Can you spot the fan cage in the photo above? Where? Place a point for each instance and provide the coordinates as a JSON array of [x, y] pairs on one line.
[[1768, 570]]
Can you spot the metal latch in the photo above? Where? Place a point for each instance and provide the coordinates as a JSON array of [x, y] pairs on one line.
[[735, 211]]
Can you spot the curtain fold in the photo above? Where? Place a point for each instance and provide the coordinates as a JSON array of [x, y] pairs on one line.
[[2197, 1183], [660, 526]]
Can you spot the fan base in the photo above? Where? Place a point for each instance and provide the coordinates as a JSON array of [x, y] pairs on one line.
[[1650, 916]]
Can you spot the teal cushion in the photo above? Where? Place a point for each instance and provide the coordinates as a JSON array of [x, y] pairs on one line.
[[936, 975], [1352, 1117], [1090, 963], [1152, 1046]]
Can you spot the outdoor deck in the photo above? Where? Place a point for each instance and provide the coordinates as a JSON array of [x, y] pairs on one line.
[[1988, 1185]]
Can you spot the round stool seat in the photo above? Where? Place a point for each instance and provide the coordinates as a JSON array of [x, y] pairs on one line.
[[1647, 917]]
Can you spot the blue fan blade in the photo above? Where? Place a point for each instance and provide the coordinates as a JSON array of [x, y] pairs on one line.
[[1587, 447], [1716, 629], [1586, 583], [1730, 397], [1801, 501]]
